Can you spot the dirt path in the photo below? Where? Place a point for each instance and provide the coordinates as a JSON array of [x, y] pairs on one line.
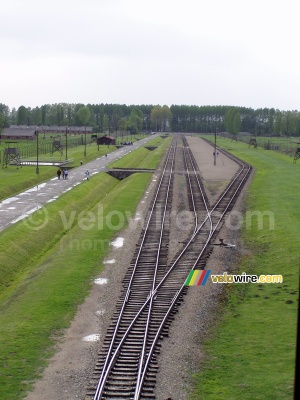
[[67, 376]]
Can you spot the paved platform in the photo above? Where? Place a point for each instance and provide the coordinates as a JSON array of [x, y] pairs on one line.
[[203, 152], [14, 209], [216, 176]]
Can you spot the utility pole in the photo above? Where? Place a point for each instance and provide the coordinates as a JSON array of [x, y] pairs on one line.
[[37, 152], [84, 141], [215, 151], [67, 142]]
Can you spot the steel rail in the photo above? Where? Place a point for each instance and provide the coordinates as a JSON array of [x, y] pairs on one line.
[[187, 156], [143, 365], [149, 311], [154, 280], [108, 363], [189, 162], [180, 291]]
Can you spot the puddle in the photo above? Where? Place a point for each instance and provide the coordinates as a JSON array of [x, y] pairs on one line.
[[53, 199], [118, 242], [26, 214], [109, 261], [100, 312], [101, 281], [7, 201], [34, 189], [92, 338]]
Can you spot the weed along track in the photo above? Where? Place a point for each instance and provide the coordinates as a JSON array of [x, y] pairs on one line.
[[154, 285]]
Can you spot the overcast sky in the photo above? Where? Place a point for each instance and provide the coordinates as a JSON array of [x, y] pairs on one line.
[[193, 52]]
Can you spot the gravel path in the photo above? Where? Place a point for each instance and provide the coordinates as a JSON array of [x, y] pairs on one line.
[[68, 374]]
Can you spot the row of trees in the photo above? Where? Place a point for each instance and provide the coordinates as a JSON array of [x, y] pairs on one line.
[[177, 118], [263, 121]]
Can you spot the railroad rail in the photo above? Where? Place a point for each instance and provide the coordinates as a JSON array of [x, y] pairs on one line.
[[153, 287]]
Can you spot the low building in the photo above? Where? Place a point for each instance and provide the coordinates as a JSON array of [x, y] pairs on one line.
[[23, 132], [106, 140]]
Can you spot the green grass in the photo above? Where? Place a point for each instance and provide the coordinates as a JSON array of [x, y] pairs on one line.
[[46, 270], [142, 157], [251, 353]]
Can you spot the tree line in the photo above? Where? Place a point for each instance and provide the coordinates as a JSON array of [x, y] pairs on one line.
[[112, 118]]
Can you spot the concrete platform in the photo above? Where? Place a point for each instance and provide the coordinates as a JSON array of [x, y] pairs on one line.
[[216, 177]]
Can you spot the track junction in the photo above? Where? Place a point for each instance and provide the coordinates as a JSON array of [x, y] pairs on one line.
[[154, 285]]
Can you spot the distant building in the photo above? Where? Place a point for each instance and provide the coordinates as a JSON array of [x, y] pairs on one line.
[[17, 133], [106, 140], [23, 132]]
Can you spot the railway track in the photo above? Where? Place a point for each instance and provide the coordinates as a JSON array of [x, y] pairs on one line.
[[153, 287]]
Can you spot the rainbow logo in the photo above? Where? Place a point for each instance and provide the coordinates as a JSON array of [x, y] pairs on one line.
[[197, 277]]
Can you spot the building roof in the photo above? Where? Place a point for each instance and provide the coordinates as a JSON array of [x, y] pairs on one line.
[[29, 131], [25, 131], [107, 137]]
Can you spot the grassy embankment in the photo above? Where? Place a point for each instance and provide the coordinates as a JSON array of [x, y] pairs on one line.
[[251, 352], [46, 273], [141, 159]]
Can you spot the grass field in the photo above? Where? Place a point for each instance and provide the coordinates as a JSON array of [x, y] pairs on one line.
[[251, 353], [145, 158], [46, 274], [283, 144]]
